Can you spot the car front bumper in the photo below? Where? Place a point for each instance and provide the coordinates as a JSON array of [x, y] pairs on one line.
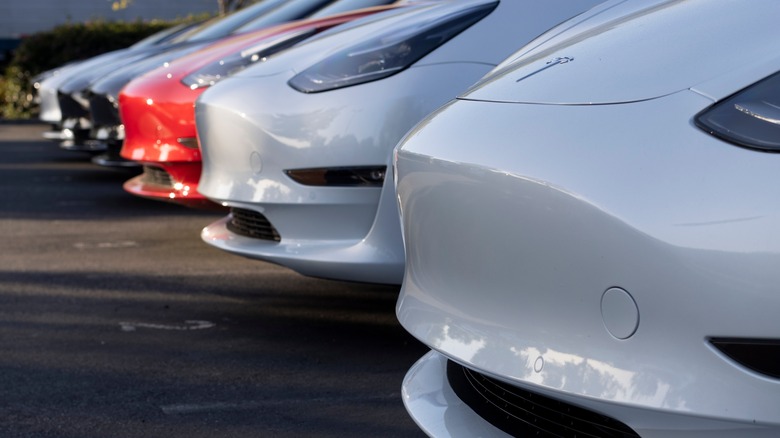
[[435, 407], [175, 183], [595, 251], [254, 129]]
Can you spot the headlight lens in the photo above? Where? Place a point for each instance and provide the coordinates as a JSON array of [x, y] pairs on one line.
[[749, 118], [230, 65], [386, 54]]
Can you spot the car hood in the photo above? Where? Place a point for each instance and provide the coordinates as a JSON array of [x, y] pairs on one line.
[[91, 70], [328, 42], [112, 83], [633, 50], [467, 46]]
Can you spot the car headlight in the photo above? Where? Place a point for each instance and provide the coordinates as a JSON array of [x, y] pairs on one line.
[[387, 53], [230, 65], [749, 118]]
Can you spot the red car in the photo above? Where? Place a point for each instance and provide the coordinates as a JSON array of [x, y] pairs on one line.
[[157, 109]]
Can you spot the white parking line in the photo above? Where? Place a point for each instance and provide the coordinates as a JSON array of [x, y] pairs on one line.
[[194, 408], [106, 245], [188, 325]]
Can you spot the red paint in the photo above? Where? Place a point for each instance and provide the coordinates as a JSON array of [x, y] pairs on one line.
[[157, 109]]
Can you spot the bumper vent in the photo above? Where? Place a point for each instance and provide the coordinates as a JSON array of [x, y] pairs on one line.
[[252, 224], [158, 177], [519, 412], [760, 355]]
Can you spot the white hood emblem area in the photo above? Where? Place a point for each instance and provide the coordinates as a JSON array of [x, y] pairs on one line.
[[551, 63]]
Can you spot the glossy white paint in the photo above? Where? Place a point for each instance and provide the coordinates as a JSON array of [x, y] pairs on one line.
[[435, 407], [347, 233], [624, 43], [48, 106], [518, 217], [439, 412]]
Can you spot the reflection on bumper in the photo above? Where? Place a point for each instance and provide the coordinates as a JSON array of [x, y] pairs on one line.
[[434, 406], [62, 135], [349, 259], [157, 184]]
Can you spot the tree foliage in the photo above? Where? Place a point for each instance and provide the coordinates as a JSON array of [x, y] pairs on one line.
[[121, 4], [226, 6]]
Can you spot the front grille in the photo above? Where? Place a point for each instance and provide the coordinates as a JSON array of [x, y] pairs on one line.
[[519, 412], [252, 224], [70, 108], [158, 177], [103, 111]]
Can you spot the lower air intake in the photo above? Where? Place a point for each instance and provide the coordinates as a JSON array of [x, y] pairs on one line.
[[249, 223], [158, 177], [519, 412]]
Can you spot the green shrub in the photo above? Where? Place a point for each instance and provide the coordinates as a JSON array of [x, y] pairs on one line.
[[69, 42], [16, 94]]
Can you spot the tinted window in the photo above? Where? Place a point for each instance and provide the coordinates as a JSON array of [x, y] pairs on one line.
[[348, 5], [291, 10], [224, 26]]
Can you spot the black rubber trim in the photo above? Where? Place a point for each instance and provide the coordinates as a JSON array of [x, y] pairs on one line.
[[520, 412], [759, 355]]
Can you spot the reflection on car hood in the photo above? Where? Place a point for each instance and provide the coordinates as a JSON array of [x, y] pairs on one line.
[[88, 71], [112, 83], [632, 51]]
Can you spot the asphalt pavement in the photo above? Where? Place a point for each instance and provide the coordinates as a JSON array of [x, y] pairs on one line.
[[116, 320]]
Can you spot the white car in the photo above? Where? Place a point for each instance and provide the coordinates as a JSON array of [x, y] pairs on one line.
[[299, 146], [592, 232], [47, 83], [65, 98]]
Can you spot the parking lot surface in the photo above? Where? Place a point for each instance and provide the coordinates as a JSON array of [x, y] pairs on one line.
[[117, 321]]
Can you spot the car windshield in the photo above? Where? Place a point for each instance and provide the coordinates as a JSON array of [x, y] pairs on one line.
[[289, 11], [348, 5], [411, 9], [223, 26], [161, 36]]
